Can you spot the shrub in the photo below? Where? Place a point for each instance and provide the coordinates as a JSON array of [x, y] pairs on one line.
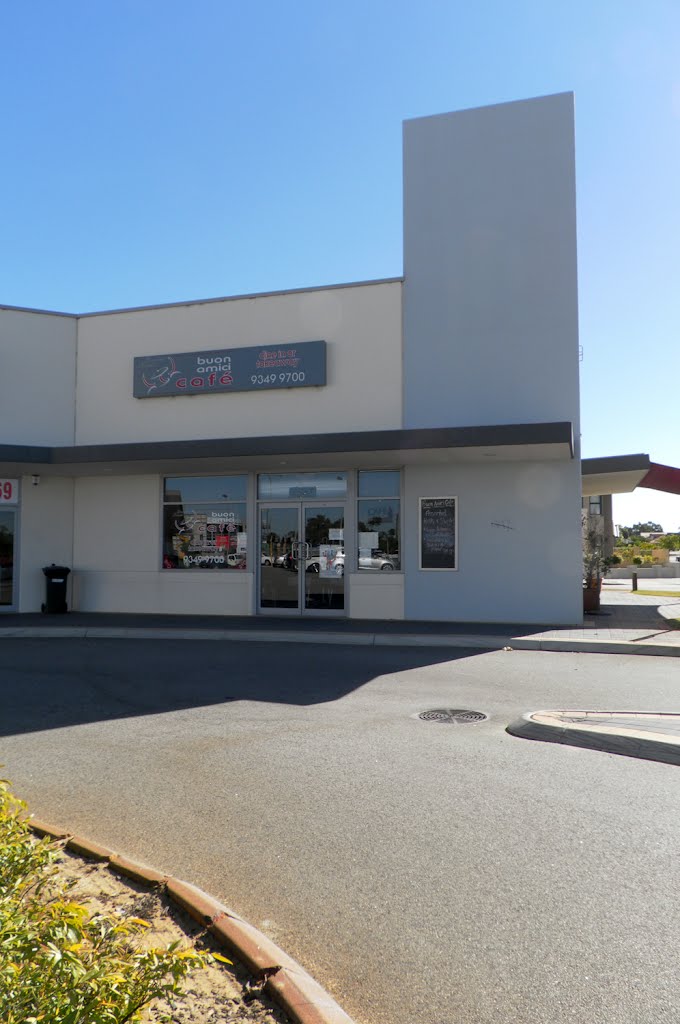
[[58, 963], [594, 564]]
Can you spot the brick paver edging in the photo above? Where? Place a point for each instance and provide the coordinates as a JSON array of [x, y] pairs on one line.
[[286, 982]]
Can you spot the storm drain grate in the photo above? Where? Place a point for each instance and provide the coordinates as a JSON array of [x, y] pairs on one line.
[[453, 716]]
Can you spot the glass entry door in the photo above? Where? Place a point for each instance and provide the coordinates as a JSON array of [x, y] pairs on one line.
[[323, 580], [7, 532], [302, 558], [279, 546]]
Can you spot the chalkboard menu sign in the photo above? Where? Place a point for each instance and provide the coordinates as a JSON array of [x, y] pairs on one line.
[[438, 533]]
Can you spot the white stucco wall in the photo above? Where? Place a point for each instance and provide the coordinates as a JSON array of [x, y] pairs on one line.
[[375, 595], [117, 554], [490, 292], [519, 556], [45, 535], [491, 336], [361, 325], [37, 378]]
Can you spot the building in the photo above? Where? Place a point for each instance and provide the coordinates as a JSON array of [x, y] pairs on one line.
[[620, 474], [376, 450]]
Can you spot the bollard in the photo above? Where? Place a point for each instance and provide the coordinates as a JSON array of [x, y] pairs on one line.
[[634, 581]]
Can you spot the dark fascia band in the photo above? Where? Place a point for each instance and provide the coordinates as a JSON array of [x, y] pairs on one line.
[[615, 464], [25, 453], [300, 444]]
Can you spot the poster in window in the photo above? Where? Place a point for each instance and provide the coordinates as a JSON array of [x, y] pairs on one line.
[[438, 533], [327, 559]]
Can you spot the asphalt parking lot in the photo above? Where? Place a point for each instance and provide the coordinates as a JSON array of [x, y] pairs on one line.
[[423, 872]]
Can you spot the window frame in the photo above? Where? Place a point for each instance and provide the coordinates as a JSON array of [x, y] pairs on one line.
[[164, 503], [595, 500], [398, 497]]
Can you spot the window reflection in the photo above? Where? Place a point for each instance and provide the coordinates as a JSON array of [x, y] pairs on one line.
[[191, 489], [204, 534], [378, 534], [298, 486], [378, 521], [382, 483]]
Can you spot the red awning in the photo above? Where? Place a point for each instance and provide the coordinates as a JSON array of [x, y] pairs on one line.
[[662, 478]]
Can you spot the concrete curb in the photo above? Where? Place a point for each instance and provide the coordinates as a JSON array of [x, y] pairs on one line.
[[599, 647], [596, 736], [669, 611], [285, 981], [472, 641]]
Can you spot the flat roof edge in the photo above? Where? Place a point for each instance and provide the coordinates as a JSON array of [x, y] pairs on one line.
[[615, 464], [494, 435], [245, 295], [562, 94], [28, 453], [205, 302], [39, 312]]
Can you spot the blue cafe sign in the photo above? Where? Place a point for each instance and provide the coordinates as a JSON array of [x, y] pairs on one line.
[[259, 368]]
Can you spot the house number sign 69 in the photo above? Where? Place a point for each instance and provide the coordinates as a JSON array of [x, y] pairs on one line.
[[9, 492]]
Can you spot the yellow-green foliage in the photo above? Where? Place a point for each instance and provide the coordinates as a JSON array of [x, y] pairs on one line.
[[58, 963]]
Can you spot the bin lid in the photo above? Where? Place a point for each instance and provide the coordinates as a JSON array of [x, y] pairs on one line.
[[52, 571]]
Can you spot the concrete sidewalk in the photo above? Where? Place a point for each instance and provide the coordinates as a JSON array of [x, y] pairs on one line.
[[626, 624]]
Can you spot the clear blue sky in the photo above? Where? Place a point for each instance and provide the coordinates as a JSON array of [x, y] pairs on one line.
[[159, 151]]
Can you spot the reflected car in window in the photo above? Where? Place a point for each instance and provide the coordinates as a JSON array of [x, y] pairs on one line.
[[236, 561], [377, 561]]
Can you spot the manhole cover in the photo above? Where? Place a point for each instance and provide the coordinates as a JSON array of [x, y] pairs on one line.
[[454, 716]]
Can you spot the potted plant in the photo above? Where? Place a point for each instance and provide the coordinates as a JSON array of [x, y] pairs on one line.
[[595, 567]]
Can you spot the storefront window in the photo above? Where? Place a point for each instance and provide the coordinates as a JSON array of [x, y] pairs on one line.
[[378, 521], [204, 527], [6, 556]]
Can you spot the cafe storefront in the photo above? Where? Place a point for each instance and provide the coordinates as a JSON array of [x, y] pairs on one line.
[[401, 536], [308, 527], [374, 450], [306, 537]]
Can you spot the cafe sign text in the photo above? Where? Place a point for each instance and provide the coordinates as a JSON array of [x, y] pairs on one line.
[[257, 368]]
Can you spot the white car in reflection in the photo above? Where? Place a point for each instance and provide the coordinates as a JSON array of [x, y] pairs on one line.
[[377, 560], [237, 560], [289, 561]]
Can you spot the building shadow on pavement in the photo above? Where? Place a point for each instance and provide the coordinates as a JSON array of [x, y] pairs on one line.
[[53, 683]]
